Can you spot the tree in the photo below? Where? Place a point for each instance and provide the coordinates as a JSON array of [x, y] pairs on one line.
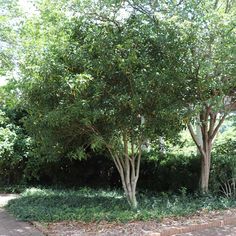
[[213, 61], [208, 66], [98, 82]]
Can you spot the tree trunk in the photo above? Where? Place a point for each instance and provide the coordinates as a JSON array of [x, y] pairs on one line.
[[199, 137], [128, 166], [205, 172], [207, 129], [132, 200], [129, 173]]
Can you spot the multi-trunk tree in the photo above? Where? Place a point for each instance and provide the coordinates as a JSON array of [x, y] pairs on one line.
[[100, 81], [117, 74]]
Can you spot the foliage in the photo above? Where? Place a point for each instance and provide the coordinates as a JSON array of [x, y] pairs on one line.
[[182, 171], [47, 205], [92, 78], [9, 13], [109, 93], [78, 83], [14, 142], [15, 146], [6, 189], [224, 164], [98, 171]]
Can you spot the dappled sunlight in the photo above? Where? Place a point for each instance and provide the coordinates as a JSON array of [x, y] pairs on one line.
[[54, 205], [5, 198], [94, 205]]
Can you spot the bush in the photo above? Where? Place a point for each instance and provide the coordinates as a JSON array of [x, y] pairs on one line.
[[169, 173], [159, 173], [223, 165]]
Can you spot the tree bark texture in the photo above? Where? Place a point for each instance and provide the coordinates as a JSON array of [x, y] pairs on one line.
[[210, 122], [128, 166]]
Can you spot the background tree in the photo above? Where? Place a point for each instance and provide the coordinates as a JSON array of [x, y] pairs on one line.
[[213, 56], [207, 66], [14, 142]]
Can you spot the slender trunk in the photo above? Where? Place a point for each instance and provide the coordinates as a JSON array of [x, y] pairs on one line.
[[129, 183], [128, 166], [162, 148], [206, 153]]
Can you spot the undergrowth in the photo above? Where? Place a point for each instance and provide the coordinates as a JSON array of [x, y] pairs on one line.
[[88, 205]]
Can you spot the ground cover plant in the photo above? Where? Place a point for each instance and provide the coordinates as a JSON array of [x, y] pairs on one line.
[[88, 205]]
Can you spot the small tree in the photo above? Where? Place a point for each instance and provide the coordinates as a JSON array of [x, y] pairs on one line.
[[99, 82]]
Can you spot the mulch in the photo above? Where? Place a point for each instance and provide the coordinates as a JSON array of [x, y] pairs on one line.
[[167, 227]]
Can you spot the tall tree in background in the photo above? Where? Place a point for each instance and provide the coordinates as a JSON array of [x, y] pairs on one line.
[[213, 61]]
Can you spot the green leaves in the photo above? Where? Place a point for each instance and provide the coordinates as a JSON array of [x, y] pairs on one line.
[[15, 146], [89, 75], [7, 35], [88, 80], [89, 205]]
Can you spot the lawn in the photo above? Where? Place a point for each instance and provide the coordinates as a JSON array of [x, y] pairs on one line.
[[88, 205]]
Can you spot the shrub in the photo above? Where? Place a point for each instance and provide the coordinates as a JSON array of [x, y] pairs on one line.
[[14, 150], [223, 164]]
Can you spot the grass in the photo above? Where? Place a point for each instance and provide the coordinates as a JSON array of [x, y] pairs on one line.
[[48, 205]]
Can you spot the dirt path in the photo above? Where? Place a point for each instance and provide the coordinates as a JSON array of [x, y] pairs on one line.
[[9, 226]]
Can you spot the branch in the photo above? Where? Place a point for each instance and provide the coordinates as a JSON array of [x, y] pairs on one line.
[[206, 113], [212, 123], [194, 137], [114, 159], [218, 126], [231, 107], [139, 159], [104, 18]]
